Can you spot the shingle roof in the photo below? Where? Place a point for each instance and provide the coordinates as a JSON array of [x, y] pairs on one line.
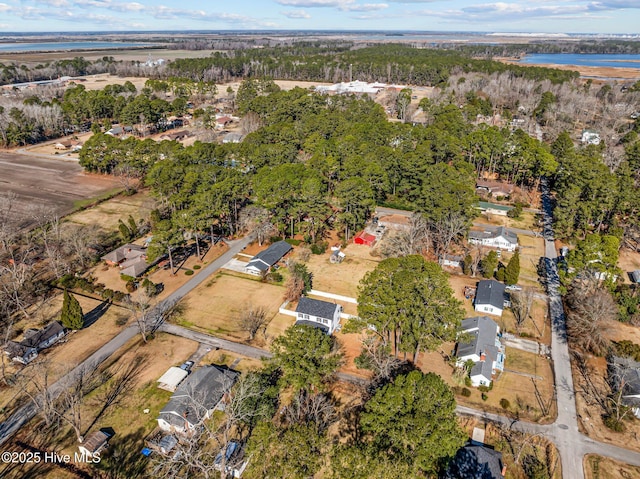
[[490, 292], [201, 391], [510, 236], [315, 307], [628, 371], [635, 276], [127, 251], [482, 331], [475, 462], [267, 258], [54, 328]]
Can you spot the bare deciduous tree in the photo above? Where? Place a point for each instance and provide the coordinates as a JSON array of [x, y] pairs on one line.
[[589, 310], [255, 219], [149, 315], [251, 319], [447, 229], [415, 240], [521, 303]]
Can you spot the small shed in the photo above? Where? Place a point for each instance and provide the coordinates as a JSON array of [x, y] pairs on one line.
[[635, 276], [365, 239], [94, 443], [170, 380]]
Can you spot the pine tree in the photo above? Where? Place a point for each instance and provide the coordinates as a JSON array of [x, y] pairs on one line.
[[71, 315], [512, 271]]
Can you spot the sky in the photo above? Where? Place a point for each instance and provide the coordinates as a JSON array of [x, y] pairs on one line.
[[548, 16]]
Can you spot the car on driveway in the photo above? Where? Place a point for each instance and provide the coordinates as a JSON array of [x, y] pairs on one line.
[[187, 366]]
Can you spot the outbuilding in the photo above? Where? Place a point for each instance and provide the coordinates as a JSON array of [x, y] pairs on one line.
[[170, 380]]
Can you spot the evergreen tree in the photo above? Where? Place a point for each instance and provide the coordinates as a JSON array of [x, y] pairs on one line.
[[413, 420], [488, 264], [512, 271], [466, 264], [71, 315]]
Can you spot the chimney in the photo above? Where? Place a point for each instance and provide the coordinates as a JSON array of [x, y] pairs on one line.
[[504, 470], [483, 357]]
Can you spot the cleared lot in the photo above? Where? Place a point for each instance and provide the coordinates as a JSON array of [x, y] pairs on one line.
[[38, 182]]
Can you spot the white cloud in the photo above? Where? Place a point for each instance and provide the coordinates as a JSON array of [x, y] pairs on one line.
[[315, 3], [367, 7], [53, 3], [296, 14]]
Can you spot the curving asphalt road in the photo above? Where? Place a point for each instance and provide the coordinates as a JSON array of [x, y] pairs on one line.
[[27, 412]]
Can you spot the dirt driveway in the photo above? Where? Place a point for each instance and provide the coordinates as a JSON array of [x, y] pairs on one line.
[[55, 183]]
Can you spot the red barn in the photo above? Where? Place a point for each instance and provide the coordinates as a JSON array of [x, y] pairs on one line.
[[365, 239]]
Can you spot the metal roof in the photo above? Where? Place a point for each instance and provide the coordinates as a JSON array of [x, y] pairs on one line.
[[172, 378], [490, 292]]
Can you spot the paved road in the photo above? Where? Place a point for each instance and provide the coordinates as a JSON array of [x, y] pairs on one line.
[[27, 412]]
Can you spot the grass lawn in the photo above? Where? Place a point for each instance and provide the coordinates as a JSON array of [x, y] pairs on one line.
[[517, 389], [536, 327], [107, 214], [127, 418], [214, 306], [342, 278], [598, 467]]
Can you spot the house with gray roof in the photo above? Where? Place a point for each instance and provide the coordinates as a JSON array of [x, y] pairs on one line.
[[481, 344], [199, 395], [500, 238], [130, 258], [35, 340], [476, 462], [490, 297], [267, 259], [319, 314], [624, 373]]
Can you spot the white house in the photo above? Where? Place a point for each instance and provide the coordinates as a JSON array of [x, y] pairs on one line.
[[265, 260], [319, 314], [490, 297], [482, 346], [500, 238], [196, 398], [452, 261]]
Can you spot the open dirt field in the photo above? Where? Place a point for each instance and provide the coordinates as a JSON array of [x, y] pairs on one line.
[[214, 307], [598, 467], [40, 182]]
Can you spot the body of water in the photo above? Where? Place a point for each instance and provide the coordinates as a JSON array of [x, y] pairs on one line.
[[62, 46], [583, 59]]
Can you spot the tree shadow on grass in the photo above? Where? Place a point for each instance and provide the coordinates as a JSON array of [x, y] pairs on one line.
[[95, 314]]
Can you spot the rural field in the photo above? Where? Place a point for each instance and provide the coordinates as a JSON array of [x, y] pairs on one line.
[[43, 182]]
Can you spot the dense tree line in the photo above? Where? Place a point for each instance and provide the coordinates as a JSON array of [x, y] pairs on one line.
[[390, 63]]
